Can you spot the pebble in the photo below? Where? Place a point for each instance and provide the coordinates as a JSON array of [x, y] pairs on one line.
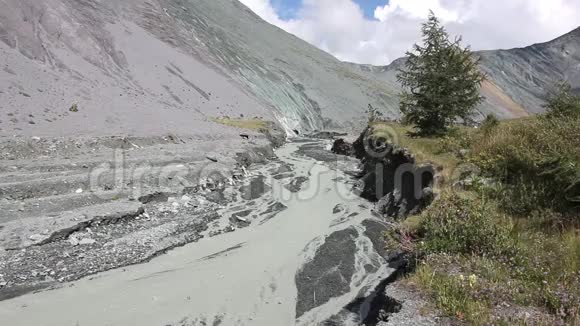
[[338, 208], [87, 241], [36, 237], [79, 191], [73, 241]]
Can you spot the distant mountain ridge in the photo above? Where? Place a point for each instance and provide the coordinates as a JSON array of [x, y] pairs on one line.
[[160, 66], [517, 79]]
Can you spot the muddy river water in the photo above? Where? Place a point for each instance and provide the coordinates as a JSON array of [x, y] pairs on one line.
[[313, 262]]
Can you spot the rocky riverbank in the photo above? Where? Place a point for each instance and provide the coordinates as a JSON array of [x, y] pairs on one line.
[[287, 235], [76, 207], [390, 175]]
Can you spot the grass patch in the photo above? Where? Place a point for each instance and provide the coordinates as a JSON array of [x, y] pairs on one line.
[[540, 275], [536, 160], [459, 224], [250, 124], [452, 294], [514, 230]]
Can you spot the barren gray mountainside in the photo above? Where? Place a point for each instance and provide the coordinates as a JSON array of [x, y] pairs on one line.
[[526, 74], [151, 67], [147, 67], [517, 79]]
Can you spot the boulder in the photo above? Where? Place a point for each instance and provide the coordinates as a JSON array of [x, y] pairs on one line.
[[341, 147]]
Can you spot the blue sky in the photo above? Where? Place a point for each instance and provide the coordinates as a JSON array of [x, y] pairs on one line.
[[287, 9]]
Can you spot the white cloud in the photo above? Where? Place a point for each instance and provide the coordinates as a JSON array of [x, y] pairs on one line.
[[340, 27], [415, 9]]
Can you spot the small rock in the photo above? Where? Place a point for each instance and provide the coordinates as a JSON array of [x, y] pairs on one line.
[[185, 198], [87, 241], [36, 237], [79, 191], [463, 153], [3, 284], [338, 208]]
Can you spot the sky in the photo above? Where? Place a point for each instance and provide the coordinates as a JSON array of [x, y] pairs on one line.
[[379, 31]]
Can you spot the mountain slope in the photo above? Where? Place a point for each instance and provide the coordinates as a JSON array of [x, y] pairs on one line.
[[177, 63], [154, 67], [526, 74], [517, 79]]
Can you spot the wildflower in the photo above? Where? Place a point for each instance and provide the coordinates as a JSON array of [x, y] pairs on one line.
[[472, 280]]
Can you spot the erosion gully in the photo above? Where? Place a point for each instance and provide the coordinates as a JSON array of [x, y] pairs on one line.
[[315, 262]]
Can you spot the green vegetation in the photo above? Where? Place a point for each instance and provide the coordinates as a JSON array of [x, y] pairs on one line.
[[562, 102], [489, 124], [463, 225], [453, 293], [537, 162], [441, 81], [375, 115], [501, 244], [250, 124]]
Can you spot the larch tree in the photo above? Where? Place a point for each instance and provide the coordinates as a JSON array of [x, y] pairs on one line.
[[441, 81]]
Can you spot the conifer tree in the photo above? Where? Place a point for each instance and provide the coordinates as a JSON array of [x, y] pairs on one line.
[[441, 81]]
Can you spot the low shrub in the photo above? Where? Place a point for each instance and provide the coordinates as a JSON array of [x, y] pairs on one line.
[[454, 224], [457, 140], [562, 102], [489, 123], [537, 160]]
